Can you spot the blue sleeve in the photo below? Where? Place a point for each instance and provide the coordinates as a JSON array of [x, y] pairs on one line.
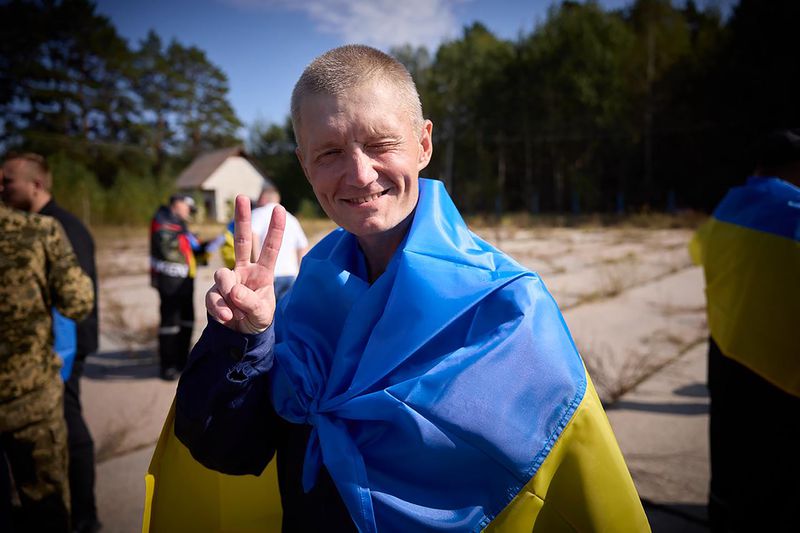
[[223, 413], [194, 242], [65, 342]]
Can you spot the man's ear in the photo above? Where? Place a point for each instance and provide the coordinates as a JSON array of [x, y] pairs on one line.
[[426, 145]]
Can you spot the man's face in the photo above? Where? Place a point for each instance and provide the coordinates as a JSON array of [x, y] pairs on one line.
[[362, 156], [181, 209], [19, 186]]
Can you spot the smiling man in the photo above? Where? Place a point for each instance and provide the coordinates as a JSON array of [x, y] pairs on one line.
[[416, 378]]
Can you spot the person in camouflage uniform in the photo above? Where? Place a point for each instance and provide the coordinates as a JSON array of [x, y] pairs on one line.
[[27, 185], [38, 271]]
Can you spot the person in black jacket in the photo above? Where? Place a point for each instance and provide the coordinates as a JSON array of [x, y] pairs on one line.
[[27, 184], [174, 254]]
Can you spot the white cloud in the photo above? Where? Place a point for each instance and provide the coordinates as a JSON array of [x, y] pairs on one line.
[[380, 23]]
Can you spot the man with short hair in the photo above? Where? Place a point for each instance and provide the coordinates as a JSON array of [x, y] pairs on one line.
[[415, 378], [293, 246], [27, 185], [38, 272], [174, 252]]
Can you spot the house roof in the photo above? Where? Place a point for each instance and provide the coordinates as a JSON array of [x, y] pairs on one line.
[[204, 165]]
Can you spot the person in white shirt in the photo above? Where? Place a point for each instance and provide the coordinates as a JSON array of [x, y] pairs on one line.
[[293, 247]]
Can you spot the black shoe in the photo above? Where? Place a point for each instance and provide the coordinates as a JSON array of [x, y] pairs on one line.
[[170, 374]]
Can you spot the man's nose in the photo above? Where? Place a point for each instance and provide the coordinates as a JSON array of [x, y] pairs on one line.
[[361, 171]]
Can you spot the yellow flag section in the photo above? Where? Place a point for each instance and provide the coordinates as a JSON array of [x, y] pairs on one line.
[[753, 298], [583, 484], [183, 495]]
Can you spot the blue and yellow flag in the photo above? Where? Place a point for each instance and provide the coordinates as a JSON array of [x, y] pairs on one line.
[[447, 395], [227, 250], [750, 252]]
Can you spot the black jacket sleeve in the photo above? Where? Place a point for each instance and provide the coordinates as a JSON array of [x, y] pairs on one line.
[[223, 412]]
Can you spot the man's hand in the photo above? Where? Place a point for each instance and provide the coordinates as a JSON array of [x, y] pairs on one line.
[[244, 298]]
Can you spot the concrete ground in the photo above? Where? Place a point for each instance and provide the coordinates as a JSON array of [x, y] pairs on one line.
[[633, 303]]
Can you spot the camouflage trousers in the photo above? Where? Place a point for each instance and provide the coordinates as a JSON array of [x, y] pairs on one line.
[[33, 438]]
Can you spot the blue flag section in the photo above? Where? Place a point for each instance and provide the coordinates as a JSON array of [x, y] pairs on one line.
[[65, 342], [445, 396], [770, 205], [436, 392]]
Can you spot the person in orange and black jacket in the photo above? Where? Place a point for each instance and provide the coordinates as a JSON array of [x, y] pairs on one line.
[[174, 254]]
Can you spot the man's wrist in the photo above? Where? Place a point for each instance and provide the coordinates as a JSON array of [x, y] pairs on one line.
[[248, 342]]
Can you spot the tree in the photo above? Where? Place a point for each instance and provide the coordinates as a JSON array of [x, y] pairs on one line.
[[416, 60], [153, 83], [272, 146], [69, 68], [200, 100], [574, 68], [460, 99]]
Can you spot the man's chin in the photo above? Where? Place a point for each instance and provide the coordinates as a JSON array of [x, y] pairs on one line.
[[365, 228]]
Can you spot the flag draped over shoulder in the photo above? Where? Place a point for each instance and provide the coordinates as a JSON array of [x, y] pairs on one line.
[[437, 392], [446, 396], [750, 252], [183, 495]]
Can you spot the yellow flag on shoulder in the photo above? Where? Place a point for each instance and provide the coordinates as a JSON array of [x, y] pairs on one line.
[[183, 495]]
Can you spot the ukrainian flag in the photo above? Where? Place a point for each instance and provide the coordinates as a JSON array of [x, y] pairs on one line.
[[183, 495], [227, 249], [582, 485], [750, 252], [446, 396]]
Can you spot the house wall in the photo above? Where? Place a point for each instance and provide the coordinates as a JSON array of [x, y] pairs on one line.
[[235, 176]]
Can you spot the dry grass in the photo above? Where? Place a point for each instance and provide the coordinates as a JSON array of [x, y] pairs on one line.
[[317, 226], [644, 220], [670, 310], [612, 381], [113, 443], [117, 327], [618, 276]]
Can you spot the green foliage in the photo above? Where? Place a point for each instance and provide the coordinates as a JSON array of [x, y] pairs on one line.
[[76, 188], [130, 201], [70, 85], [200, 100], [464, 95], [593, 110], [308, 209], [133, 199], [272, 148]]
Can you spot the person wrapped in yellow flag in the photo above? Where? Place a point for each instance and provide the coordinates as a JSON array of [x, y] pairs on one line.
[[750, 254], [414, 379]]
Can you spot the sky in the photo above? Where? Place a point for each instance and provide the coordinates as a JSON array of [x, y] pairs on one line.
[[264, 45]]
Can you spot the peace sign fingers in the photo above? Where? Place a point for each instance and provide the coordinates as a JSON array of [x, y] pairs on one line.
[[273, 240], [242, 234]]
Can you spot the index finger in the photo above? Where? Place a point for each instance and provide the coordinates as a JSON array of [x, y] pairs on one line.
[[242, 236], [272, 242]]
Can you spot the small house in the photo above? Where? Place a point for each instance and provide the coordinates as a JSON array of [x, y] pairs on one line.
[[215, 178]]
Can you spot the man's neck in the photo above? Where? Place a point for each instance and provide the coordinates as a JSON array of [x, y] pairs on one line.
[[379, 249], [40, 201]]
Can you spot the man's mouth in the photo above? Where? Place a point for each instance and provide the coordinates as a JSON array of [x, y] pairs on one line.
[[364, 199]]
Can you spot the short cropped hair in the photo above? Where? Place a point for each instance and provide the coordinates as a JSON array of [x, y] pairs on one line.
[[342, 69], [40, 166]]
